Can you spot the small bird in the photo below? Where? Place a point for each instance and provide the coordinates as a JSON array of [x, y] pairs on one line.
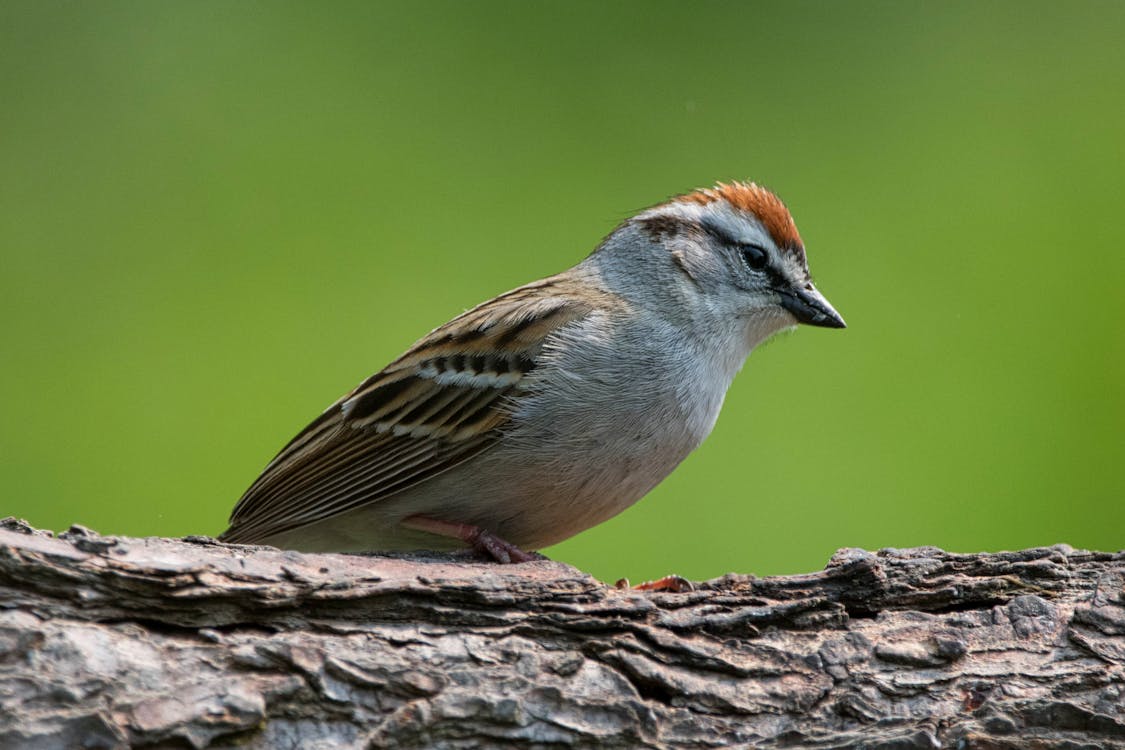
[[553, 407]]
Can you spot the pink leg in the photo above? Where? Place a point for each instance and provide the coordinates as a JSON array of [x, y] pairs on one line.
[[479, 539]]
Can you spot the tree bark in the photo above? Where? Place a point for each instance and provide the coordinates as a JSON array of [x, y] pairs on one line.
[[110, 642]]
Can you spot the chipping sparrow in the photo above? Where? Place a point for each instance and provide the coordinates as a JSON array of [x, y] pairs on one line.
[[555, 406]]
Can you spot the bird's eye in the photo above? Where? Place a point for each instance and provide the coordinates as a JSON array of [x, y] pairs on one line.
[[754, 255]]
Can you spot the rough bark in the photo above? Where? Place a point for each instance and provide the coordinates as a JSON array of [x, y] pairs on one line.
[[111, 642]]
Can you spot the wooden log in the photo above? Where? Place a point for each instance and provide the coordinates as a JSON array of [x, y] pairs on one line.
[[110, 642]]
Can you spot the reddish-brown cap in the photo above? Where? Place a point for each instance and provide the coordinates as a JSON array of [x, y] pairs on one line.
[[756, 200]]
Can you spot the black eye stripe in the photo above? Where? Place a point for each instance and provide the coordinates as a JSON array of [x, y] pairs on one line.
[[753, 255]]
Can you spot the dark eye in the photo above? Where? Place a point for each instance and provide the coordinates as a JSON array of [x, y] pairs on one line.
[[754, 255]]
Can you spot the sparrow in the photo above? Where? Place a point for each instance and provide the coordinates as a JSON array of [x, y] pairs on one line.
[[555, 406]]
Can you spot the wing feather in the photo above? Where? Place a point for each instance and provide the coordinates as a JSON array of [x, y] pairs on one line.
[[441, 403]]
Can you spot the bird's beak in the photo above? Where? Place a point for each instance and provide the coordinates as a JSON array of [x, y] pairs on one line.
[[809, 306]]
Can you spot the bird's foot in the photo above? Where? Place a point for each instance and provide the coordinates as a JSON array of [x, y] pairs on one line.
[[481, 540], [672, 584]]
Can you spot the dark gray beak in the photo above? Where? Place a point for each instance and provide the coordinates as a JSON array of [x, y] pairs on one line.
[[809, 306]]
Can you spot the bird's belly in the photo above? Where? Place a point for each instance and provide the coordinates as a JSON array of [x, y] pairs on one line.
[[554, 487]]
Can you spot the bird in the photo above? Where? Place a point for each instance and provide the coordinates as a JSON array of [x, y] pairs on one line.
[[552, 407]]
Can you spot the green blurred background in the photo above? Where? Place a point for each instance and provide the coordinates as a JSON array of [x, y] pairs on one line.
[[215, 218]]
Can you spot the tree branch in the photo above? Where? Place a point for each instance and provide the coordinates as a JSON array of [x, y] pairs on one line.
[[112, 642]]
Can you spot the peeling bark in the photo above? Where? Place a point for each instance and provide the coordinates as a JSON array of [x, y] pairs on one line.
[[110, 642]]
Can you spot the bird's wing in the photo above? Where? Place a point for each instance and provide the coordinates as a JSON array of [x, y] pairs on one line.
[[441, 403]]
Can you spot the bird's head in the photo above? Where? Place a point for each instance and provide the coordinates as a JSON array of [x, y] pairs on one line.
[[727, 252]]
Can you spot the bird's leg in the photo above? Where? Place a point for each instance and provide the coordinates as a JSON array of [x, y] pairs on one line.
[[479, 539]]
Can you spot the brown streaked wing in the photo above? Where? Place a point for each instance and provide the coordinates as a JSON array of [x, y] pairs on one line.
[[440, 403]]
